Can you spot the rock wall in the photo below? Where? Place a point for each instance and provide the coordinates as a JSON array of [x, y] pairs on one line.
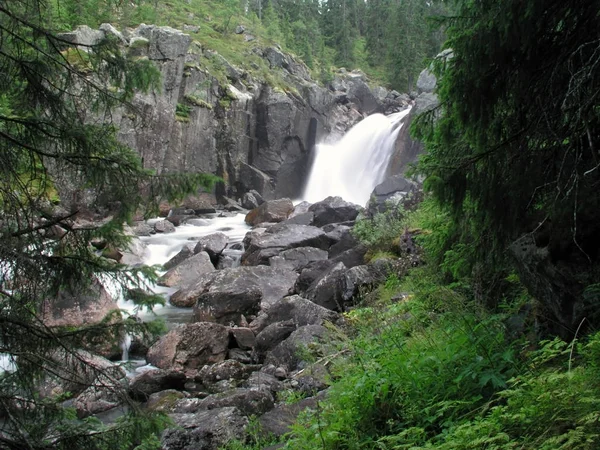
[[253, 135]]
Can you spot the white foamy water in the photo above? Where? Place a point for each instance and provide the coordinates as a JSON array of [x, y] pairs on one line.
[[352, 167], [162, 247]]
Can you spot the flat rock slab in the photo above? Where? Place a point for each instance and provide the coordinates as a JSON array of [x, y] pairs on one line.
[[297, 258], [188, 271], [280, 237], [190, 346], [225, 295]]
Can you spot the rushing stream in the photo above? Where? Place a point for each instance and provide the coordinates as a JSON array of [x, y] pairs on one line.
[[351, 169]]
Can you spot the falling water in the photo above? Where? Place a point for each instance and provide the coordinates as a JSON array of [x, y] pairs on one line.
[[352, 167]]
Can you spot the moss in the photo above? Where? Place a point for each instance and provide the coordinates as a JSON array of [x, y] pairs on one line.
[[196, 101]]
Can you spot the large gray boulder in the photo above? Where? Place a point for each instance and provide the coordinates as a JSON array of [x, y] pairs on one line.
[[187, 271], [190, 346], [328, 289], [142, 386], [261, 247], [334, 210], [298, 310], [297, 258], [247, 401], [77, 307], [279, 420], [206, 430], [270, 211], [293, 351], [213, 244], [390, 193], [227, 295]]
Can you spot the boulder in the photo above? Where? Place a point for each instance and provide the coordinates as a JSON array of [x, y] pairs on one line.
[[297, 309], [190, 346], [213, 244], [187, 271], [273, 334], [261, 247], [310, 273], [327, 290], [164, 226], [334, 210], [297, 258], [270, 211], [263, 381], [186, 252], [389, 194], [355, 279], [279, 420], [227, 295], [84, 306], [248, 401], [225, 370], [291, 352], [83, 36], [165, 43], [165, 401], [244, 338], [142, 386], [95, 400], [206, 430]]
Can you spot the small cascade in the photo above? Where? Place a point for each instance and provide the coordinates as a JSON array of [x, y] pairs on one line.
[[352, 167], [125, 346]]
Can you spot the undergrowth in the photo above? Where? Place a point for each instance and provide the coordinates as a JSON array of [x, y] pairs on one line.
[[428, 367]]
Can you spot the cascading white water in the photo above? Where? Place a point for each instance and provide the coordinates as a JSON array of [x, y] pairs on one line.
[[352, 167]]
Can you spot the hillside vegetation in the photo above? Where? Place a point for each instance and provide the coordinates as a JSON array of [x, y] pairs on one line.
[[389, 41]]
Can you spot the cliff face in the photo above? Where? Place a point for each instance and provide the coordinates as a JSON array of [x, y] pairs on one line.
[[214, 117]]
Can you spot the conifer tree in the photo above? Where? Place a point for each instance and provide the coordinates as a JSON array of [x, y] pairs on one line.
[[515, 151], [54, 106]]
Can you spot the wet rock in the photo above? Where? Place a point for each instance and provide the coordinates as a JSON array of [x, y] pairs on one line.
[[144, 385], [187, 271], [270, 211], [164, 226], [297, 258], [186, 252], [291, 352], [327, 289], [297, 309], [207, 430], [261, 247], [143, 229], [356, 278], [244, 338], [226, 295], [334, 210], [272, 335], [190, 346], [164, 401], [213, 244]]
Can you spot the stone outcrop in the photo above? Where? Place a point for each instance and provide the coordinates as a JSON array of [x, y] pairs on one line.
[[253, 135]]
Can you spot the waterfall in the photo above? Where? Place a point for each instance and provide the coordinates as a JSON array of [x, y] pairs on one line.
[[352, 167], [125, 346]]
